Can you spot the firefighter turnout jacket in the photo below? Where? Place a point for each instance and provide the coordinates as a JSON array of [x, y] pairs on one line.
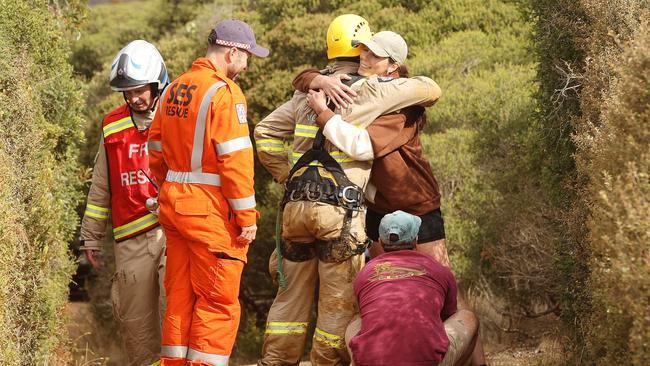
[[392, 141], [295, 119]]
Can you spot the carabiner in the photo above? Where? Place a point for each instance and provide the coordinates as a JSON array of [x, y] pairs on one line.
[[344, 195], [294, 199]]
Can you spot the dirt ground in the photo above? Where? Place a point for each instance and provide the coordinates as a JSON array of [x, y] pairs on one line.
[[91, 347], [522, 342]]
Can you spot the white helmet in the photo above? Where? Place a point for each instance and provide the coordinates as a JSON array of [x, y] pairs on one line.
[[138, 64]]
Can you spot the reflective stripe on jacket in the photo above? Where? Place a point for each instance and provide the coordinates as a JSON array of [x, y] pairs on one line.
[[200, 138]]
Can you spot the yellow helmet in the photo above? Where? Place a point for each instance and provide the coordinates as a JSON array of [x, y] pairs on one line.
[[343, 35]]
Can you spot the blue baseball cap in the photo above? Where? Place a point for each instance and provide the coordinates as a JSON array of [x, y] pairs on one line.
[[235, 33], [399, 228]]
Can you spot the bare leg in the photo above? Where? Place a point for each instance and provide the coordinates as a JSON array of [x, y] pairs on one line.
[[478, 354], [437, 249], [353, 329], [462, 331]]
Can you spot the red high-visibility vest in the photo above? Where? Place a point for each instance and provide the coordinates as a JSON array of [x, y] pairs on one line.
[[128, 169]]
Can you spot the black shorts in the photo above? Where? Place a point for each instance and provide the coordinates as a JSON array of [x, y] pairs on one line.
[[432, 228]]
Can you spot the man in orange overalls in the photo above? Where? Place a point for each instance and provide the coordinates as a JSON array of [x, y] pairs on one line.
[[202, 155]]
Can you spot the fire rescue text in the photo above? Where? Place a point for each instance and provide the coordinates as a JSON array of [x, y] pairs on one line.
[[135, 177]]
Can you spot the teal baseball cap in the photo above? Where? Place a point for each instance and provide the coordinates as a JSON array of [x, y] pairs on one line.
[[399, 229]]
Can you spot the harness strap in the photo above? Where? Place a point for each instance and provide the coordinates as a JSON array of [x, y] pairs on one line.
[[342, 192], [343, 248], [319, 189], [328, 162], [282, 279], [319, 140]]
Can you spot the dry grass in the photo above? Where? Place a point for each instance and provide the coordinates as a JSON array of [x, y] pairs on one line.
[[517, 340], [89, 345]]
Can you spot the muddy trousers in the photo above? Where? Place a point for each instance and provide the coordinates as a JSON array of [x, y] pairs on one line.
[[138, 295], [290, 314], [203, 310], [303, 224]]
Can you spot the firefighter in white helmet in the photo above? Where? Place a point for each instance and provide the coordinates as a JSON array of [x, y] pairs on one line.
[[119, 190]]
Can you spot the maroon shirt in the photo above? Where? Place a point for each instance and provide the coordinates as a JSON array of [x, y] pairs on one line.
[[404, 297]]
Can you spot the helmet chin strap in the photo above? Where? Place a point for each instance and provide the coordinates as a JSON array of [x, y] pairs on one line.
[[156, 95], [152, 106]]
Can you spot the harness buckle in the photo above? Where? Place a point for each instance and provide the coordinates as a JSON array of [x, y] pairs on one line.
[[350, 200], [315, 198], [293, 198], [315, 189]]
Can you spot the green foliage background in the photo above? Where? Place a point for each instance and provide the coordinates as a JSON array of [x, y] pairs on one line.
[[540, 145]]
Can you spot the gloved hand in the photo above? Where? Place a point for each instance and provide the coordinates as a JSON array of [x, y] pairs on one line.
[[152, 205], [247, 235]]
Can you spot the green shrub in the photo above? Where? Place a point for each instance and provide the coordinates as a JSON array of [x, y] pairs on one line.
[[108, 28], [595, 171], [561, 27], [463, 52], [39, 137], [485, 96], [452, 161]]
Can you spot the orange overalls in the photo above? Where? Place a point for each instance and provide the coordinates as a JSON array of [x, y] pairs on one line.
[[201, 152]]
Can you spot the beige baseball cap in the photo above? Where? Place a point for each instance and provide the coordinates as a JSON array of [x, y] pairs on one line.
[[388, 44]]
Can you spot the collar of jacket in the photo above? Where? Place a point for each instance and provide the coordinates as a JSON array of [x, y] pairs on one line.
[[143, 120], [205, 63], [341, 67]]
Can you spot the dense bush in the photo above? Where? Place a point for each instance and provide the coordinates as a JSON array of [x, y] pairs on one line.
[[452, 159], [594, 106], [613, 156], [101, 34], [40, 130], [619, 228], [560, 32]]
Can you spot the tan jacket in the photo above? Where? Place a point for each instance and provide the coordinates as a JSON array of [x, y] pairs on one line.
[[295, 119], [93, 228]]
